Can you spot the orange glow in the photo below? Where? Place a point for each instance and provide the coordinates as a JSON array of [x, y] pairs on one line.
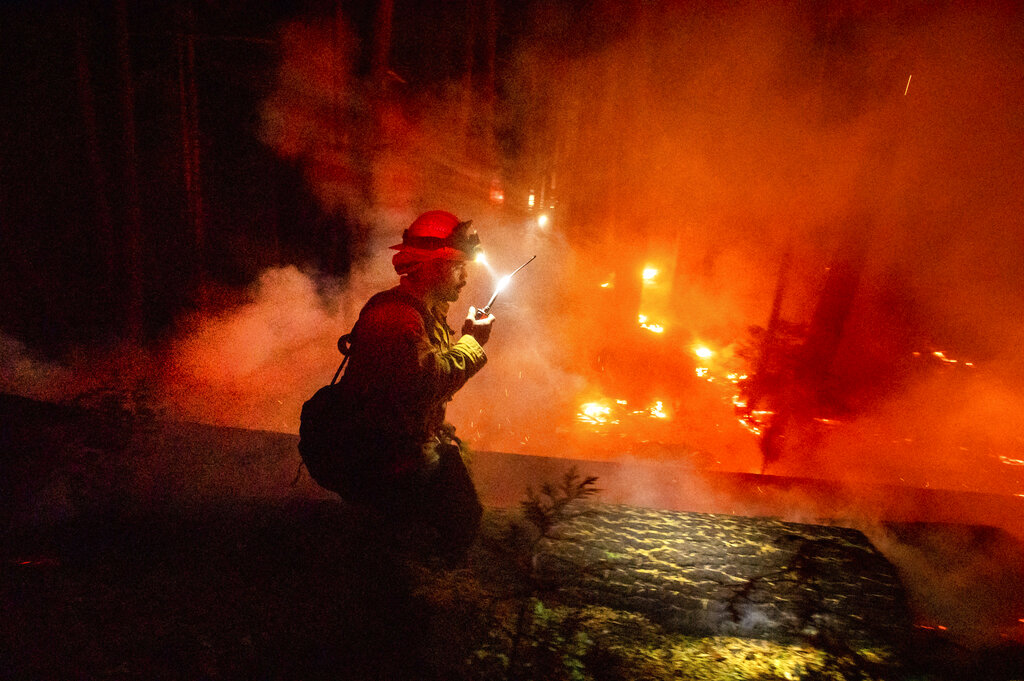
[[497, 194]]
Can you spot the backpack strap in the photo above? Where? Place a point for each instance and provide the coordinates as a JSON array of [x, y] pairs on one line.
[[395, 294], [345, 348]]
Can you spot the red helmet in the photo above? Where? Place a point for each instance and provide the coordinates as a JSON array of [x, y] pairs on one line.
[[439, 234]]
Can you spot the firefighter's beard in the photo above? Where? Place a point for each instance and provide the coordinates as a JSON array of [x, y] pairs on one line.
[[453, 293], [452, 286]]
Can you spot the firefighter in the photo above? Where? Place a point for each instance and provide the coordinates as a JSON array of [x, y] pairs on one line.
[[404, 364]]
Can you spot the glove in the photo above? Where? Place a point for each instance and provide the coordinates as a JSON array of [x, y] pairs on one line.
[[480, 329]]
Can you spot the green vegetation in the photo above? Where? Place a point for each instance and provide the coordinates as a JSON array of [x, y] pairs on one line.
[[518, 625]]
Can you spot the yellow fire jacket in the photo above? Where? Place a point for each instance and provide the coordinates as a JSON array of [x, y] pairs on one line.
[[405, 368]]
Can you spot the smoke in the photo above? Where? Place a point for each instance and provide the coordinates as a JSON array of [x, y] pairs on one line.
[[965, 580], [253, 366], [707, 142], [22, 374], [377, 152]]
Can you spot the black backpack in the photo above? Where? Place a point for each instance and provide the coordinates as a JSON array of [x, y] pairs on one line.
[[328, 425]]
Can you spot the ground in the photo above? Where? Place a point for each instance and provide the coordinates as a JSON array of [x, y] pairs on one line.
[[96, 584]]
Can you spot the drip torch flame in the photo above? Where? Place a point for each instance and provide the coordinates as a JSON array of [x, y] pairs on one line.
[[649, 274], [502, 283], [703, 352]]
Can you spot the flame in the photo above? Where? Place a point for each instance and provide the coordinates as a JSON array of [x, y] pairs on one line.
[[542, 220], [605, 412], [653, 328], [606, 284], [497, 194], [532, 200], [944, 358], [594, 412], [649, 274], [703, 352]]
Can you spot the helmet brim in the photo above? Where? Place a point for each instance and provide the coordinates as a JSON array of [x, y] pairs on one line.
[[445, 253]]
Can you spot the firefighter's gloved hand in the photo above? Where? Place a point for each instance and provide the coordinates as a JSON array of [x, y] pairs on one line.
[[480, 329]]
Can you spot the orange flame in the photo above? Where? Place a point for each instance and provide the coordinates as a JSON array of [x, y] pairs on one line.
[[653, 328]]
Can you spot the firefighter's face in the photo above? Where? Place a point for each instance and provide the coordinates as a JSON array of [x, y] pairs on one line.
[[449, 277]]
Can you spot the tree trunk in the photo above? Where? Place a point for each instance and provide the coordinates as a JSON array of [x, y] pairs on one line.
[[188, 103], [98, 172], [135, 320], [382, 42]]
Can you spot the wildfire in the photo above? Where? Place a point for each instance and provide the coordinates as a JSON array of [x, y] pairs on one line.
[[645, 324], [497, 194], [606, 412], [596, 413], [944, 358]]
